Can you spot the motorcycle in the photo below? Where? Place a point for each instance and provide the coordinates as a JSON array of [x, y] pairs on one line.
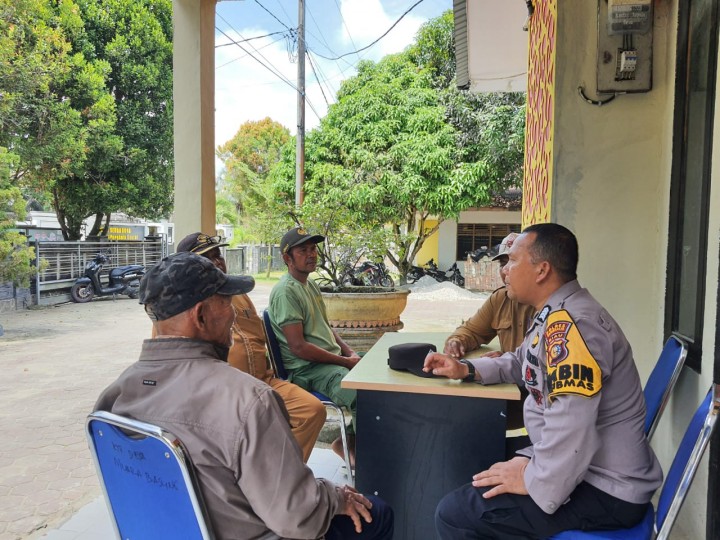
[[368, 274], [431, 269], [122, 280], [455, 276]]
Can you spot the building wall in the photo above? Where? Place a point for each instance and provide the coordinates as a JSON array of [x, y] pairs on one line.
[[441, 246], [610, 185]]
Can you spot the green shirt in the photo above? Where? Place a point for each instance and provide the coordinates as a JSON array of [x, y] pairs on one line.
[[294, 302]]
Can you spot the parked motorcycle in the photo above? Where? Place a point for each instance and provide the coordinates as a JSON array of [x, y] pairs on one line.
[[455, 276], [368, 274], [431, 269], [122, 280]]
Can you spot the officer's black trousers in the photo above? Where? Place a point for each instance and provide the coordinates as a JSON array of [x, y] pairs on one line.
[[464, 514]]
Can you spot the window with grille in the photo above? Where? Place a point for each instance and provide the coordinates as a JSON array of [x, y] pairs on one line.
[[472, 236]]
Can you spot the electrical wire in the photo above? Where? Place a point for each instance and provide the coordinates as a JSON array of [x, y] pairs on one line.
[[248, 39], [245, 55], [272, 69], [312, 66], [378, 39]]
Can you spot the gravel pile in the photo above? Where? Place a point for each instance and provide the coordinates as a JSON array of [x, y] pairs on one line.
[[426, 288]]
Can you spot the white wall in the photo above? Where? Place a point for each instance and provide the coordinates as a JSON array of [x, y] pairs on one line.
[[611, 184], [448, 231]]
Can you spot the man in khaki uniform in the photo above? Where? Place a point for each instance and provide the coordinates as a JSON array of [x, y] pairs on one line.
[[499, 316], [248, 353]]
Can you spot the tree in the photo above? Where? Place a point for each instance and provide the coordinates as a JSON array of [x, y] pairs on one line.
[[248, 158], [16, 257], [399, 147], [89, 110]]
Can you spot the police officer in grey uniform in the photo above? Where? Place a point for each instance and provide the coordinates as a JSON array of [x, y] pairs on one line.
[[590, 465]]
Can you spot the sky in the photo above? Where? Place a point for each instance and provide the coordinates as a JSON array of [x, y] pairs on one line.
[[245, 89]]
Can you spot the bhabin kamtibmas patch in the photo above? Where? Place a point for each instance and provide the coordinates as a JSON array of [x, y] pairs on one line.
[[571, 368]]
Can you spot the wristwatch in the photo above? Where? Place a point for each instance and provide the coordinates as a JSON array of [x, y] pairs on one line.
[[471, 370]]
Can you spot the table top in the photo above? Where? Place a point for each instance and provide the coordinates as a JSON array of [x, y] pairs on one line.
[[373, 373]]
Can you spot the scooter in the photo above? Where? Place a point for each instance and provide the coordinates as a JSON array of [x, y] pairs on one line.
[[122, 280]]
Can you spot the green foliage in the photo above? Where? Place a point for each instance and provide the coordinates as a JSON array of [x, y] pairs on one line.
[[248, 158], [16, 257], [345, 244], [401, 146], [87, 105]]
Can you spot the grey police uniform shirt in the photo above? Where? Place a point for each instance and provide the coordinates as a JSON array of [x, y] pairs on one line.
[[585, 414], [234, 427]]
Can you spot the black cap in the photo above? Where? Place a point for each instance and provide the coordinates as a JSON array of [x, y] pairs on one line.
[[410, 357], [180, 281], [199, 243], [297, 236]]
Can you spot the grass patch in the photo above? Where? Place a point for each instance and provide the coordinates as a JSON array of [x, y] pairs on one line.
[[262, 277]]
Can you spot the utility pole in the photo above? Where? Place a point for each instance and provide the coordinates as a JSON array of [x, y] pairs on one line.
[[300, 139]]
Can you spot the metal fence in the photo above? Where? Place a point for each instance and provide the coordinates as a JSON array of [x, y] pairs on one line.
[[65, 262]]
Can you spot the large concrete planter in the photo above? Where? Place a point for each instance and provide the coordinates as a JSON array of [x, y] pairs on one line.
[[361, 315]]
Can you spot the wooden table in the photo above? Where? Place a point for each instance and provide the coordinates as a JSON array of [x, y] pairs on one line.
[[418, 438]]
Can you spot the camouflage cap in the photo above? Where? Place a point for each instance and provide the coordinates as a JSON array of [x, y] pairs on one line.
[[298, 236], [200, 243], [180, 281]]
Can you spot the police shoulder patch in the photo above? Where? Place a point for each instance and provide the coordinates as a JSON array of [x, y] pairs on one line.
[[571, 367]]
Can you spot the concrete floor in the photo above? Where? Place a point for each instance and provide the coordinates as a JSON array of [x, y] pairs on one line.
[[55, 361]]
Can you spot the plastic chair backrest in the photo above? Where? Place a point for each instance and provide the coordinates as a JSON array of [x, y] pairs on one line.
[[147, 479], [677, 482], [274, 347], [686, 461], [661, 381]]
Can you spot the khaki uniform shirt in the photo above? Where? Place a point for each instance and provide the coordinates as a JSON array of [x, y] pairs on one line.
[[249, 466], [248, 350], [499, 316]]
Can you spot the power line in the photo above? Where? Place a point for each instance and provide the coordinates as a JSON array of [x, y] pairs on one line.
[[272, 69], [251, 45], [245, 55], [378, 39], [274, 17], [346, 27], [312, 66], [233, 42]]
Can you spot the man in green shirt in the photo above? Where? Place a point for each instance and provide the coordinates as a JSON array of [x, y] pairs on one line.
[[314, 355]]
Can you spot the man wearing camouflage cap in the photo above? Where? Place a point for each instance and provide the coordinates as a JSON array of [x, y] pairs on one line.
[[248, 464]]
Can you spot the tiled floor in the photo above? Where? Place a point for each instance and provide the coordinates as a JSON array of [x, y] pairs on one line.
[[92, 522]]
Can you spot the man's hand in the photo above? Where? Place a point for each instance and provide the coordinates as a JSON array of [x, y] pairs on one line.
[[352, 360], [492, 354], [442, 364], [506, 476], [356, 506], [454, 348]]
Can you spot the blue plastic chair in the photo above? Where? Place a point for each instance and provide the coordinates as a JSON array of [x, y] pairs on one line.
[[147, 479], [677, 483], [661, 382], [279, 366]]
